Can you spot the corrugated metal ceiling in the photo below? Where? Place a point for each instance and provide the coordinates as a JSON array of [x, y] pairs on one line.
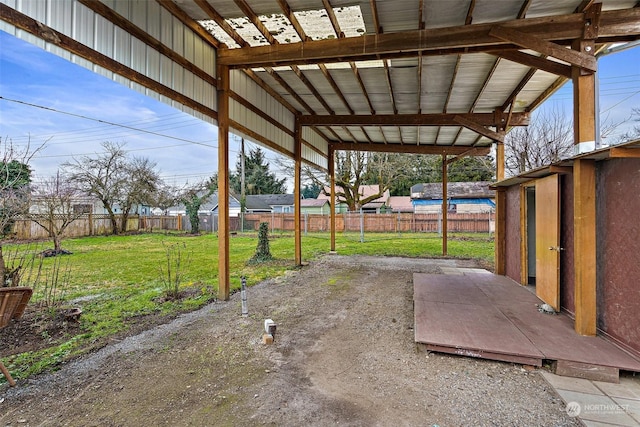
[[470, 83]]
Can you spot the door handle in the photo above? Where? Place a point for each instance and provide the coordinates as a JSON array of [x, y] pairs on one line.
[[556, 248]]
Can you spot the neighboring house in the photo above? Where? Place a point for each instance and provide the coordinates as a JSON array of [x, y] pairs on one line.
[[463, 197], [375, 206], [91, 205], [400, 204], [315, 206], [210, 205], [272, 203]]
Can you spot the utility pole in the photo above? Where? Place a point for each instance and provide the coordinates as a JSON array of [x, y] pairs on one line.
[[243, 196]]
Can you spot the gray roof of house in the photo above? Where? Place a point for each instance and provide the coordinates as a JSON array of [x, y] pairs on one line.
[[265, 201], [459, 190]]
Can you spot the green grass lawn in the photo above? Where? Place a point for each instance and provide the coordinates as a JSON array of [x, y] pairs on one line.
[[118, 278]]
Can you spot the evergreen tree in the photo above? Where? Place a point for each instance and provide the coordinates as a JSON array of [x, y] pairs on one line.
[[258, 178]]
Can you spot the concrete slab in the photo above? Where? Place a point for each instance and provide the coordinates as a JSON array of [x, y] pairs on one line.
[[579, 385], [631, 406], [598, 408], [628, 388]]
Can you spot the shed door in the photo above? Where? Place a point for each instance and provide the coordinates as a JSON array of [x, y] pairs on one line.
[[548, 241]]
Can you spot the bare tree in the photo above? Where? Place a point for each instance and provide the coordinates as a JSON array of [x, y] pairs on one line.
[[101, 176], [15, 187], [165, 197], [634, 132], [115, 180], [141, 184], [352, 170], [548, 139], [52, 208]]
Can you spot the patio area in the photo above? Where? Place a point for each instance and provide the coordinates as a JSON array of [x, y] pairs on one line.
[[472, 312]]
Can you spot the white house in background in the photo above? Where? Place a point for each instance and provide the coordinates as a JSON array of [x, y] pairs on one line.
[[91, 205], [210, 205], [463, 197], [269, 203]]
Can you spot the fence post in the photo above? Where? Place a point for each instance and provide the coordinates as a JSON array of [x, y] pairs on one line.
[[361, 226], [440, 222], [306, 223]]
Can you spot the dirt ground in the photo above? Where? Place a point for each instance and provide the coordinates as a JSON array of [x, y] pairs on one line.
[[343, 354]]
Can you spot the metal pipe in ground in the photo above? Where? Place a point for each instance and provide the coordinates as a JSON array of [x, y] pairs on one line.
[[243, 296]]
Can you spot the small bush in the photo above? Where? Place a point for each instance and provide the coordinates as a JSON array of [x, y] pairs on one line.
[[263, 253]]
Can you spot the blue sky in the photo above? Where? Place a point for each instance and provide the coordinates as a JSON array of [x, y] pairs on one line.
[[184, 148]]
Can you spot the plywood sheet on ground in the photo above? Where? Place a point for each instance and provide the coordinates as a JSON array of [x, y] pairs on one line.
[[492, 315]]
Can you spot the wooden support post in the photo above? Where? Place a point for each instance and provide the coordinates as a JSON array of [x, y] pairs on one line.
[[297, 136], [501, 228], [223, 182], [499, 161], [332, 198], [584, 243], [584, 187], [444, 205]]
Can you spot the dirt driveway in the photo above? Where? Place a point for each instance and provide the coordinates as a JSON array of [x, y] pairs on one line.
[[343, 355]]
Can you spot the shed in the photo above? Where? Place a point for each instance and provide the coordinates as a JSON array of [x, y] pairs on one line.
[[542, 247]]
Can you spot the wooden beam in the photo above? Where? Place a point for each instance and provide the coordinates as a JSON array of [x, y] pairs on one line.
[[614, 25], [561, 170], [445, 204], [52, 36], [500, 161], [500, 232], [182, 16], [332, 196], [219, 19], [577, 58], [438, 119], [584, 243], [409, 148], [137, 32], [584, 197], [478, 128], [625, 153], [297, 141], [223, 183], [584, 102], [537, 62]]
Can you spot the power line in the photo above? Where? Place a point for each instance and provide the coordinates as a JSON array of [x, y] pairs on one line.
[[105, 122]]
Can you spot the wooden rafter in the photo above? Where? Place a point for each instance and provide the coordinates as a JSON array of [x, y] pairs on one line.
[[468, 21], [410, 149], [441, 119], [579, 59], [385, 64], [38, 29], [175, 10], [538, 62], [615, 25], [340, 34], [137, 32], [478, 128], [524, 8]]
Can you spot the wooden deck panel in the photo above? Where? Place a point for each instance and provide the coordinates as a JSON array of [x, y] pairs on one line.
[[492, 317]]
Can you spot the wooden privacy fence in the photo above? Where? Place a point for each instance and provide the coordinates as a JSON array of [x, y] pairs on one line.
[[93, 225], [375, 223]]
